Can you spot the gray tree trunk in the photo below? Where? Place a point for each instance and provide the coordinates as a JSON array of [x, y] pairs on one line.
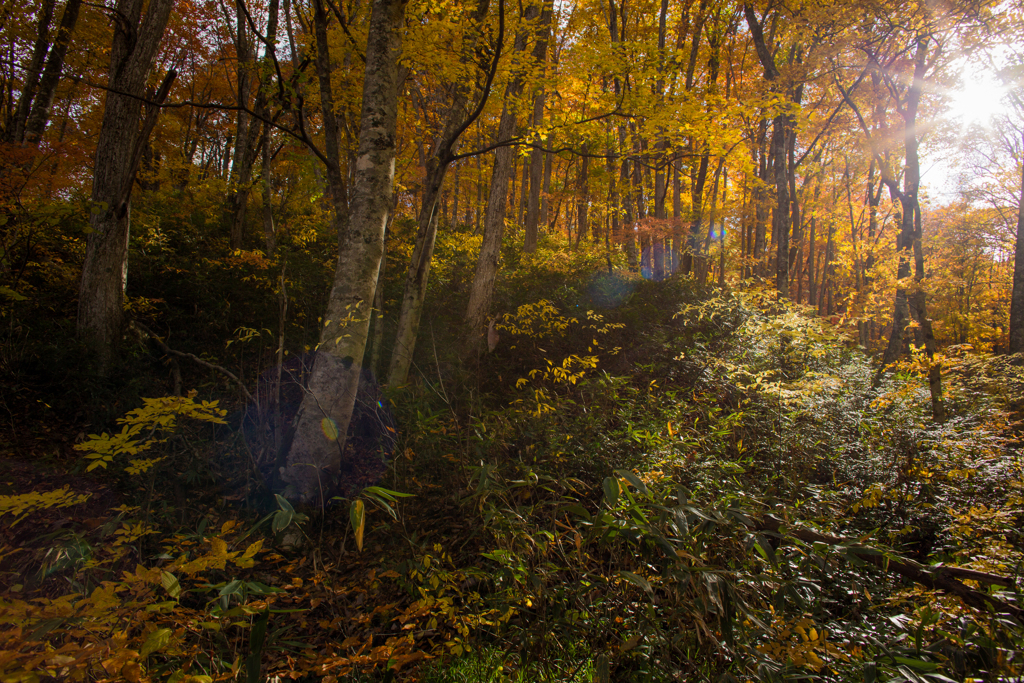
[[419, 268], [482, 289], [266, 172], [1017, 298], [315, 455], [536, 180], [909, 242], [246, 131], [118, 150], [494, 227]]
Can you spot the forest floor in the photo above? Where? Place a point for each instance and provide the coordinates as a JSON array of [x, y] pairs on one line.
[[718, 493]]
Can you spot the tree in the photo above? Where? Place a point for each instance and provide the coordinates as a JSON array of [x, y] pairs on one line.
[[497, 203], [119, 149], [442, 154], [315, 455]]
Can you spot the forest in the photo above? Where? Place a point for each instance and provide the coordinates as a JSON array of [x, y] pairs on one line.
[[363, 341]]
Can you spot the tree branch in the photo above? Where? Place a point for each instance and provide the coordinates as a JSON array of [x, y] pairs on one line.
[[181, 354]]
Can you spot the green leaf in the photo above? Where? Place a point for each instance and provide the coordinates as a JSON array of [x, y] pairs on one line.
[[765, 549], [611, 490], [638, 581], [634, 480], [578, 510], [918, 663], [282, 518], [11, 294], [283, 503], [386, 493], [357, 516], [157, 640], [231, 588]]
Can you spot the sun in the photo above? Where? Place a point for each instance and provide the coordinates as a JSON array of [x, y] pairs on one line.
[[978, 100]]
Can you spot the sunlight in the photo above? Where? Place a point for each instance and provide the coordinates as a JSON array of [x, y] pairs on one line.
[[979, 99]]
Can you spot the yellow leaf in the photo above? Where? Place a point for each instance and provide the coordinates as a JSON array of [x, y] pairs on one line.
[[357, 516]]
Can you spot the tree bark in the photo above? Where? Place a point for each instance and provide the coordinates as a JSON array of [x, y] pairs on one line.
[[118, 150], [15, 131], [40, 114], [482, 289], [909, 242], [583, 195], [270, 50], [419, 268], [315, 455], [536, 167], [1017, 298], [246, 131], [536, 180]]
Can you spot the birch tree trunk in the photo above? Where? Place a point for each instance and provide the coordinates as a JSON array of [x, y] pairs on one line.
[[909, 242], [118, 151], [315, 455]]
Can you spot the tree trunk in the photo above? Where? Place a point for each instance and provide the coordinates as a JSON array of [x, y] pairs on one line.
[[536, 180], [315, 455], [909, 242], [269, 232], [583, 195], [494, 227], [497, 204], [246, 131], [677, 215], [1017, 298], [419, 268], [118, 151], [15, 131], [40, 114]]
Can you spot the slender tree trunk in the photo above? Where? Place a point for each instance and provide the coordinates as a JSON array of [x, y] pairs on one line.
[[455, 195], [418, 274], [1017, 298], [583, 195], [910, 242], [494, 220], [494, 227], [269, 232], [533, 202], [781, 210], [315, 456], [118, 152], [824, 294], [536, 180], [246, 131], [40, 114], [677, 215], [812, 283], [760, 200], [15, 131]]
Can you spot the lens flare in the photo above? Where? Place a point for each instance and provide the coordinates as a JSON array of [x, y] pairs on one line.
[[330, 428]]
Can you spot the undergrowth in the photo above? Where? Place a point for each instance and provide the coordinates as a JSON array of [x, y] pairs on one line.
[[644, 482]]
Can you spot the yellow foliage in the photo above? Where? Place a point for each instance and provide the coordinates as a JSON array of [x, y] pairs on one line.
[[799, 641], [141, 426], [23, 504]]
